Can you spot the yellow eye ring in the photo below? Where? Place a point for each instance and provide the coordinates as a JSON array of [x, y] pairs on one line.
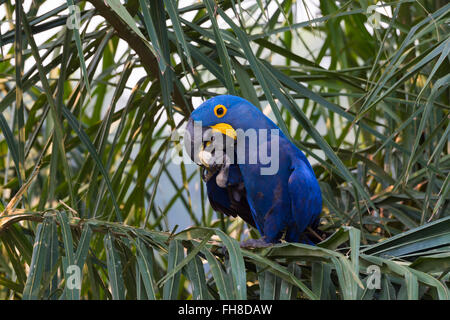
[[220, 110]]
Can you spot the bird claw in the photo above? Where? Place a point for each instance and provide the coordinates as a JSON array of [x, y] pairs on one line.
[[219, 165], [255, 243], [222, 176]]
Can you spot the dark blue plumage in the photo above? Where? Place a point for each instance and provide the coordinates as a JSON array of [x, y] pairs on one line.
[[280, 204]]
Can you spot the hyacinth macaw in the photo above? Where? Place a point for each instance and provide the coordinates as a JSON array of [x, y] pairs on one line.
[[284, 205]]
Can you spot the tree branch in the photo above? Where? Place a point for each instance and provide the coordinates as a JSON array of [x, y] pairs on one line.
[[148, 60]]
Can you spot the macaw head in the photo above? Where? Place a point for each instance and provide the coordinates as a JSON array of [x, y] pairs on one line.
[[218, 117], [225, 114]]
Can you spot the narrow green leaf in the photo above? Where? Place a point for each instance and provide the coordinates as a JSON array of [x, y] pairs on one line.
[[114, 265], [186, 260], [280, 271], [145, 265], [83, 246], [219, 276], [221, 48], [86, 141], [174, 17], [175, 256], [196, 275], [76, 33], [237, 264], [152, 34], [40, 252]]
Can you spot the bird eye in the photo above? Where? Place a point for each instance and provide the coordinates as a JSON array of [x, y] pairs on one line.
[[220, 111]]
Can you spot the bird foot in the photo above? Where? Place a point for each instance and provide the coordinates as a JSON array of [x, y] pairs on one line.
[[255, 243]]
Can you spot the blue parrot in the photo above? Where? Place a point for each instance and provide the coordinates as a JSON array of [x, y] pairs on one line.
[[285, 204]]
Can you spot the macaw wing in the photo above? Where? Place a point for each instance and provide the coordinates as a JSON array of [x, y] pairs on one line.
[[231, 200], [306, 198]]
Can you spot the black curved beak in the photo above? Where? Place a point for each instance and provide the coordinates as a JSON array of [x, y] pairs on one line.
[[201, 142], [193, 140]]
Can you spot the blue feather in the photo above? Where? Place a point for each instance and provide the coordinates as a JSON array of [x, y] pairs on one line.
[[285, 203]]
